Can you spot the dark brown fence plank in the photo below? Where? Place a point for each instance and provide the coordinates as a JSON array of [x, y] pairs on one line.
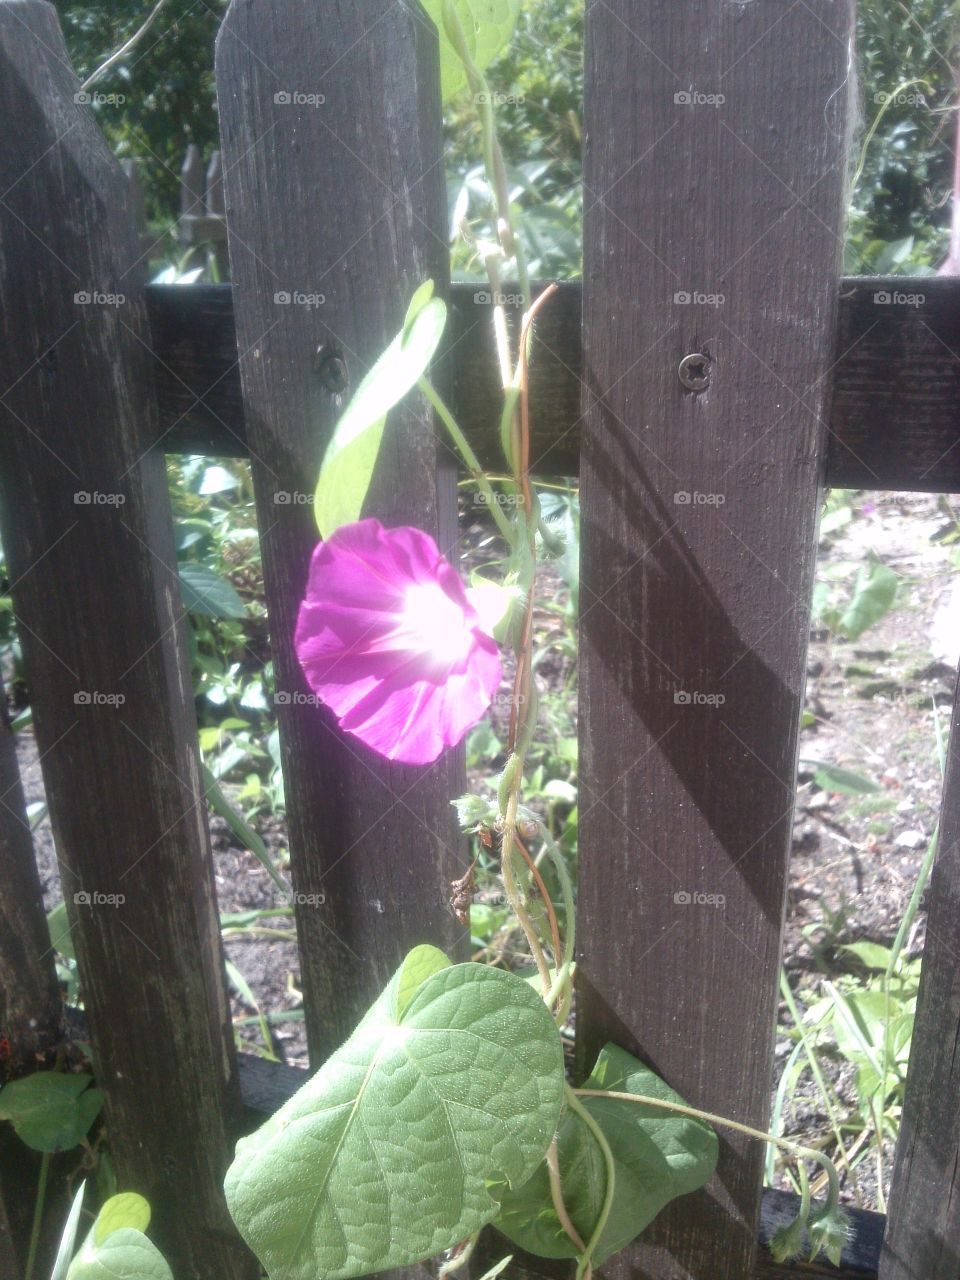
[[923, 1231], [87, 533], [341, 198], [683, 601], [30, 1007], [894, 422]]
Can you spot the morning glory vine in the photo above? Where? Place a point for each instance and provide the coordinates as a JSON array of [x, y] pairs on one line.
[[448, 1108]]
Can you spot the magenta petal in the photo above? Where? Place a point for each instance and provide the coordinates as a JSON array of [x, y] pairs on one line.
[[389, 641]]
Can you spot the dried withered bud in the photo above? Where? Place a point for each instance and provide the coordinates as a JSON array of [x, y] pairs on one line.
[[461, 894]]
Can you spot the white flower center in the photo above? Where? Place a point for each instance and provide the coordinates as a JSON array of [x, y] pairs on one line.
[[433, 623]]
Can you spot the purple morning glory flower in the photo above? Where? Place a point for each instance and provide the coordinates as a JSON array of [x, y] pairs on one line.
[[388, 639]]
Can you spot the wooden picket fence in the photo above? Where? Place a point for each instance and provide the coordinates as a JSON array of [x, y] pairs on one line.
[[799, 378]]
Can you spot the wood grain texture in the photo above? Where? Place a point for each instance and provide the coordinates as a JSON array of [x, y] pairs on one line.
[[923, 1232], [698, 540], [341, 199], [894, 420], [31, 1012], [88, 539]]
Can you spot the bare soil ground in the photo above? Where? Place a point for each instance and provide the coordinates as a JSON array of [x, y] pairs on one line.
[[855, 858]]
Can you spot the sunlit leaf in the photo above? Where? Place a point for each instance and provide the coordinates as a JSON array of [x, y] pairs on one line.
[[447, 1092], [351, 455]]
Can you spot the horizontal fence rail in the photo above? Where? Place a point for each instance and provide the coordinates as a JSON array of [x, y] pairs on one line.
[[894, 421]]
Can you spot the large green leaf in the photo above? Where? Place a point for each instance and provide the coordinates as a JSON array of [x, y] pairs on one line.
[[657, 1156], [50, 1110], [351, 455], [390, 1153], [487, 26]]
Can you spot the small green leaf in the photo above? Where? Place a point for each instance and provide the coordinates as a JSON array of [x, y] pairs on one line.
[[419, 965], [487, 27], [126, 1254], [351, 455], [124, 1210], [58, 926], [658, 1156], [50, 1111], [873, 595], [831, 777], [206, 593], [870, 954], [394, 1150]]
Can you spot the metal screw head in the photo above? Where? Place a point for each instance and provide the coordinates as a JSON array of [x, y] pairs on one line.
[[694, 371]]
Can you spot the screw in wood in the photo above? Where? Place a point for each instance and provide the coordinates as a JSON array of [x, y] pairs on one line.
[[694, 371]]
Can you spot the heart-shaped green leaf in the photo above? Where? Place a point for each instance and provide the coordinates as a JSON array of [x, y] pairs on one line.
[[126, 1254], [658, 1156], [49, 1110], [128, 1209], [487, 26], [387, 1155], [351, 455]]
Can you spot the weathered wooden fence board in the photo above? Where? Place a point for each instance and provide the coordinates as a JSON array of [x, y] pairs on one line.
[[698, 540], [923, 1225], [894, 420], [333, 178], [89, 546]]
